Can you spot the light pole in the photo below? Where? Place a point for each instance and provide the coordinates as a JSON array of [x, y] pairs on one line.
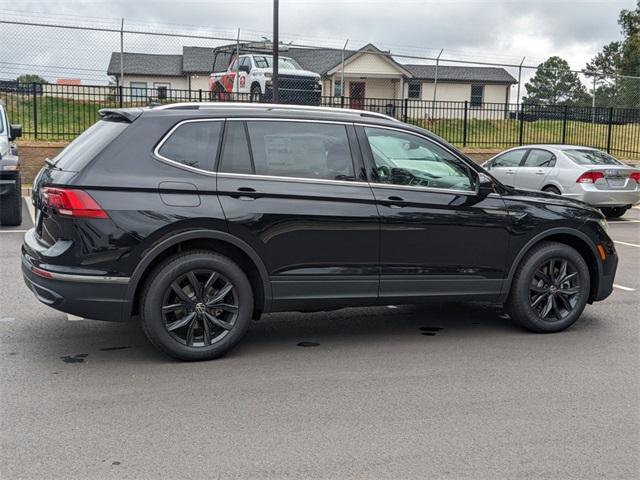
[[276, 42]]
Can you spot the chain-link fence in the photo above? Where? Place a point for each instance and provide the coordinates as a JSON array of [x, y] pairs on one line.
[[74, 69]]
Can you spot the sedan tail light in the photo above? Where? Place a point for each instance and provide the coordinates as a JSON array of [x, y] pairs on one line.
[[72, 203], [635, 176], [589, 177]]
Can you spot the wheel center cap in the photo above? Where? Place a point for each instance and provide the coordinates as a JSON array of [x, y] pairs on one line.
[[200, 308], [553, 289]]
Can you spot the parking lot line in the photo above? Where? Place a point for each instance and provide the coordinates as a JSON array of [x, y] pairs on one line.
[[30, 209], [14, 231], [627, 244], [621, 287], [73, 318]]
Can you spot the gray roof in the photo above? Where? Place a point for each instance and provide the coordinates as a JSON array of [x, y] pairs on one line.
[[447, 73], [319, 60], [146, 64]]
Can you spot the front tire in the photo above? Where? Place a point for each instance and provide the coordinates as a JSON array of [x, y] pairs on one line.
[[11, 205], [614, 212], [550, 288], [256, 93], [196, 306]]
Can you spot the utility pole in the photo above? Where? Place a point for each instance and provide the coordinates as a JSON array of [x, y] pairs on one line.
[[519, 82], [342, 69], [276, 44], [122, 52]]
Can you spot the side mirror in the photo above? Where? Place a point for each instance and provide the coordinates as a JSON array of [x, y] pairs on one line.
[[485, 185], [244, 68], [16, 131]]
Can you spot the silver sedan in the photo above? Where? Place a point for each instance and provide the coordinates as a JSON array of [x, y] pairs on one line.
[[582, 173]]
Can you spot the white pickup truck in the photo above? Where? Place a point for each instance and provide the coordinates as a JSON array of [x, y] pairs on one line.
[[250, 74]]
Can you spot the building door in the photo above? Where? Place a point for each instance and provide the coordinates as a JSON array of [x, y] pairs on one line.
[[356, 95]]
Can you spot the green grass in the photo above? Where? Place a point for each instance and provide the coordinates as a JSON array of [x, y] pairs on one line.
[[62, 119]]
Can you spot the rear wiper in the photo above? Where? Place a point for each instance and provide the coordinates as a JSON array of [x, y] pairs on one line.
[[50, 163]]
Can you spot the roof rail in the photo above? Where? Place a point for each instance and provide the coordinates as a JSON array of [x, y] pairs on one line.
[[270, 106]]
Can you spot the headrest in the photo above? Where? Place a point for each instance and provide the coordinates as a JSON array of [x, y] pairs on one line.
[[338, 158]]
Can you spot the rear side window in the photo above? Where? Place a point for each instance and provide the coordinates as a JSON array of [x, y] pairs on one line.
[[509, 159], [92, 141], [193, 144], [540, 158], [235, 153], [301, 149]]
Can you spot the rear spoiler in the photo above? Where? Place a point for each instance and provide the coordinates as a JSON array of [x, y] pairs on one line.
[[127, 114]]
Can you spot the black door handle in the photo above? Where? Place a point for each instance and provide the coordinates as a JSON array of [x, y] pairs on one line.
[[247, 189], [395, 199]]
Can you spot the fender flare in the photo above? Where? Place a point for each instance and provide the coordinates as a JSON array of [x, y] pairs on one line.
[[157, 249], [540, 237]]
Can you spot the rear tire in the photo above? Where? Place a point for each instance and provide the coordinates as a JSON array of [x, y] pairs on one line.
[[614, 212], [550, 288], [256, 93], [196, 306], [552, 189], [11, 205]]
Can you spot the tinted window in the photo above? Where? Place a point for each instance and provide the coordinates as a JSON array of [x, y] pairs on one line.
[[477, 95], [304, 149], [235, 154], [591, 157], [509, 159], [193, 144], [540, 158], [414, 90], [404, 159], [85, 147]]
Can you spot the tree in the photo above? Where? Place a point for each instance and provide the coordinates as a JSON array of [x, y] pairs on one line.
[[616, 65], [555, 84], [30, 78]]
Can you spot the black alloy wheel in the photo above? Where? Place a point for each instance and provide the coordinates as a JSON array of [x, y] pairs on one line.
[[196, 305], [555, 285], [200, 308]]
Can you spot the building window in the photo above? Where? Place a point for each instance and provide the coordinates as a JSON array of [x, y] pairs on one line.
[[414, 89], [161, 90], [477, 95], [138, 89], [337, 88]]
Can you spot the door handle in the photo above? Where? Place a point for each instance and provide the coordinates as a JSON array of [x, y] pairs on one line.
[[247, 189], [245, 198], [509, 172], [395, 198], [540, 172]]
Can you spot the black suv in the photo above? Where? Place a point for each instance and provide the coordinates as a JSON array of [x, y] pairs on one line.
[[197, 218]]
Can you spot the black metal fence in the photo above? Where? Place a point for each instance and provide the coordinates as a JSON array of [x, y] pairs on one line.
[[61, 112]]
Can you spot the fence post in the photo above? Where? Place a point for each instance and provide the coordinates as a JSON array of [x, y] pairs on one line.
[[341, 101], [564, 124], [521, 134], [120, 100], [464, 123], [609, 129], [405, 108], [199, 94], [35, 110]]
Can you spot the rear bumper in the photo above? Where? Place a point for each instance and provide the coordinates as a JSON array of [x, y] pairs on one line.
[[86, 296], [605, 198]]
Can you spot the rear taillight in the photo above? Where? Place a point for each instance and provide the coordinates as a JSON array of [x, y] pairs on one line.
[[72, 203], [635, 176], [589, 177]]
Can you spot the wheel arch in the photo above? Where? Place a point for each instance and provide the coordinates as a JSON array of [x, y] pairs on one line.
[[553, 184], [571, 237], [216, 241]]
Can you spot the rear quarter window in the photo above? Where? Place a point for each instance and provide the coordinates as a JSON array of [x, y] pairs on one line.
[[92, 141], [193, 143], [591, 157]]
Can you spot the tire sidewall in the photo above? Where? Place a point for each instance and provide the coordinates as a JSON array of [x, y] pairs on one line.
[[11, 205], [520, 306], [160, 280]]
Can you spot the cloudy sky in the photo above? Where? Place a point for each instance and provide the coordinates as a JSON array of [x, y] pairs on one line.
[[496, 31]]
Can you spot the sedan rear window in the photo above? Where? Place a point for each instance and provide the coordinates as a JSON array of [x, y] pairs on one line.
[[591, 157], [91, 142]]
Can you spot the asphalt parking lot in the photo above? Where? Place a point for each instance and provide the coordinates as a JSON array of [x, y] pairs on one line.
[[451, 391]]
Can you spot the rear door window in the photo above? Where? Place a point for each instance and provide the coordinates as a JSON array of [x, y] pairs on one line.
[[92, 141], [300, 149], [540, 159], [193, 143]]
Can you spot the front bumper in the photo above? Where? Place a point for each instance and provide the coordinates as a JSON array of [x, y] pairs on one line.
[[605, 283], [595, 197], [86, 296]]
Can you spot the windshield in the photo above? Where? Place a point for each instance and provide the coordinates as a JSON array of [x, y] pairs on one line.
[[85, 147], [284, 63], [591, 157]]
